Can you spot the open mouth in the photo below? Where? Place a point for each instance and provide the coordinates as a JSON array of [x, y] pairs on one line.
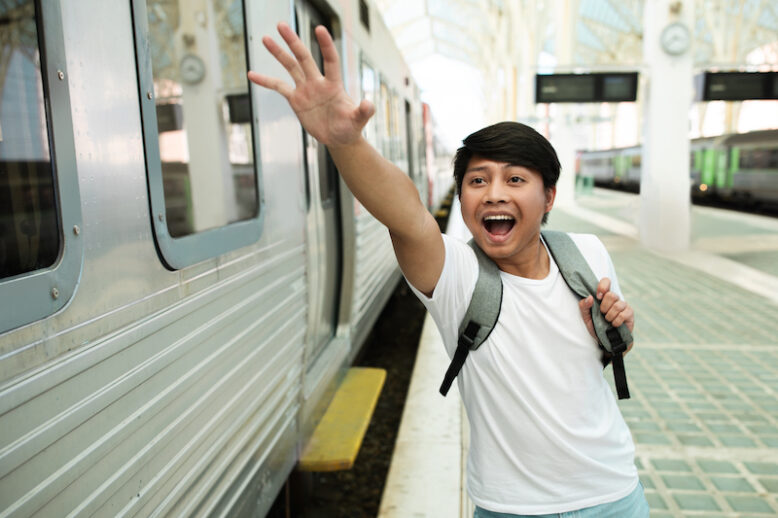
[[498, 224]]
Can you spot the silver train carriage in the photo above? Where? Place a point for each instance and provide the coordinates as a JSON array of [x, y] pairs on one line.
[[184, 276], [741, 167]]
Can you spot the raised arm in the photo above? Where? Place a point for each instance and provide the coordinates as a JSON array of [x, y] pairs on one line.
[[327, 112]]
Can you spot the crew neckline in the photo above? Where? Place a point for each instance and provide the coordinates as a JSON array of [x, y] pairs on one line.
[[553, 270]]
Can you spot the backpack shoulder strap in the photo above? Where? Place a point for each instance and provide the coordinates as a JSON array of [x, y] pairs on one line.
[[480, 317], [581, 280]]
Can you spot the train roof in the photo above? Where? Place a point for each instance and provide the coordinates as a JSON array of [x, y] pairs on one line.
[[749, 139]]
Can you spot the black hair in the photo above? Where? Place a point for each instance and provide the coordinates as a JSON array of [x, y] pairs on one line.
[[511, 142]]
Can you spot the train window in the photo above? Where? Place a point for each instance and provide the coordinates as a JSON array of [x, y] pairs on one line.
[[328, 178], [29, 233], [758, 158], [39, 265], [400, 154], [385, 111], [369, 91], [364, 15], [421, 146], [201, 147], [744, 162], [408, 141]]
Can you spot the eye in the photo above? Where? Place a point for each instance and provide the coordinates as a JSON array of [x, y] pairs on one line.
[[516, 179], [477, 180]]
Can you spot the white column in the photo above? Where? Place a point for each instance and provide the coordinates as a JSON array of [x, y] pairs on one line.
[[565, 138], [664, 183], [210, 173]]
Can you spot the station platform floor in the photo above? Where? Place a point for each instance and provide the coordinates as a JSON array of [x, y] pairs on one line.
[[703, 373]]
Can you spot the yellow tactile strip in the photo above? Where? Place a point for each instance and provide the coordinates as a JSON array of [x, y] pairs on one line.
[[335, 442]]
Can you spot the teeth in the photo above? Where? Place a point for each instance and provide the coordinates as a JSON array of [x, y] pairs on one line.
[[498, 217]]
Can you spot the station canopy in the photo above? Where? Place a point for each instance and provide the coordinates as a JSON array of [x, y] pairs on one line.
[[506, 42], [604, 32]]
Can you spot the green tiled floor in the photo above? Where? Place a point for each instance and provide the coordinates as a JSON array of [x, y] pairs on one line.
[[705, 224], [704, 381], [750, 240], [766, 261], [558, 220]]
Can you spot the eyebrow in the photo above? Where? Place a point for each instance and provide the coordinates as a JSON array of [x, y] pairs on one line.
[[484, 168]]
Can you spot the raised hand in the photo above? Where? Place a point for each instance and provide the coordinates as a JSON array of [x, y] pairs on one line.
[[615, 310], [320, 101]]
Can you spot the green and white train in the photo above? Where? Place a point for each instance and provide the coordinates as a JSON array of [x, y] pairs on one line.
[[739, 168]]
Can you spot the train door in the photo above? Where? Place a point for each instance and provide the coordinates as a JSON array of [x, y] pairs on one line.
[[409, 143], [415, 166], [323, 218]]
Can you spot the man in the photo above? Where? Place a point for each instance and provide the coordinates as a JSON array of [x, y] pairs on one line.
[[546, 433]]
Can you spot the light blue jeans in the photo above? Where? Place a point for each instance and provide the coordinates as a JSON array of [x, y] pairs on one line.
[[633, 505]]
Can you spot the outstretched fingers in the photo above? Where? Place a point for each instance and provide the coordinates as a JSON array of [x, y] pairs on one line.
[[272, 83], [300, 51], [289, 63], [329, 53]]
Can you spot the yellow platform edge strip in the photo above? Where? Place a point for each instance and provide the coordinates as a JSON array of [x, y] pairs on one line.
[[335, 442]]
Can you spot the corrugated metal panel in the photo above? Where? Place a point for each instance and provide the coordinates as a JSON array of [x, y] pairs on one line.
[[375, 264], [162, 417]]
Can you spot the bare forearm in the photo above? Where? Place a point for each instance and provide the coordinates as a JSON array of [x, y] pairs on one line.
[[380, 186]]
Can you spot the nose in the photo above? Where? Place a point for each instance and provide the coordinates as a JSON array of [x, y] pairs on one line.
[[495, 193]]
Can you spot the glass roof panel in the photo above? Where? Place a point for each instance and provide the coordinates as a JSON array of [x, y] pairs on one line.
[[457, 12], [769, 17], [452, 35], [413, 33], [603, 12], [420, 51], [399, 13], [587, 38], [455, 52]]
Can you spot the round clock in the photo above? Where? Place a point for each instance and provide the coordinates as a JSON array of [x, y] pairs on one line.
[[675, 38], [192, 69]]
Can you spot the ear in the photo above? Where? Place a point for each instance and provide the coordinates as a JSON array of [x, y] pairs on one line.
[[550, 197]]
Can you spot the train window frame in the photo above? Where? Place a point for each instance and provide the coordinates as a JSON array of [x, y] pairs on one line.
[[180, 252], [40, 293]]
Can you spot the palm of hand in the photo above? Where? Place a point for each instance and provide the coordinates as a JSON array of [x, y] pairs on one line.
[[325, 111], [320, 102]]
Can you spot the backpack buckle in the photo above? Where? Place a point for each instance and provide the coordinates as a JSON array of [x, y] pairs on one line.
[[467, 338]]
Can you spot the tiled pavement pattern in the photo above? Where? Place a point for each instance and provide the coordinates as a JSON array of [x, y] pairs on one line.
[[751, 240], [703, 376], [765, 261]]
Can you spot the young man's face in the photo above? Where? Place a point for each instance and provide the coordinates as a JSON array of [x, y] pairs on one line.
[[503, 206]]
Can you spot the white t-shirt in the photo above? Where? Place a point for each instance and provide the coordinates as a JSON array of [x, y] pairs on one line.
[[546, 434]]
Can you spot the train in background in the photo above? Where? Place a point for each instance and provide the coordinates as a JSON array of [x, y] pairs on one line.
[[184, 278], [741, 168]]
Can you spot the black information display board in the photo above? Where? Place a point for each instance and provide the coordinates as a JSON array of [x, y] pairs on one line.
[[601, 87], [739, 86]]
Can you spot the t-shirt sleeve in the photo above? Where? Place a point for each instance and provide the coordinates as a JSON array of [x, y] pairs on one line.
[[453, 292]]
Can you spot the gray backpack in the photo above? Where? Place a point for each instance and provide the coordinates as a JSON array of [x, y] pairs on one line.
[[484, 308]]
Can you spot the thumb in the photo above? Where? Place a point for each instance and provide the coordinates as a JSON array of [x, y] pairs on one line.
[[365, 110], [585, 305]]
